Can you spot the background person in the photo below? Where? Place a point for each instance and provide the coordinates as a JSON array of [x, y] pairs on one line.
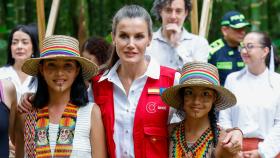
[[224, 52], [22, 45], [257, 112], [98, 51], [172, 45]]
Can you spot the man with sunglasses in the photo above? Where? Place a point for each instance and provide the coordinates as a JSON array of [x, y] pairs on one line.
[[224, 52]]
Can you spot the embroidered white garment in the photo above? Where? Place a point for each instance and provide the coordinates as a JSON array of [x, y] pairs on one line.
[[257, 112]]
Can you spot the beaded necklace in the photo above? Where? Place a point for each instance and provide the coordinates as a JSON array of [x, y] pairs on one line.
[[199, 149]]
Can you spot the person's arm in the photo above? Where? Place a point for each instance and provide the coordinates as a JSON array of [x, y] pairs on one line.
[[97, 134], [19, 137], [24, 104], [172, 117], [232, 151], [225, 117], [15, 120], [10, 99], [201, 50], [270, 147], [171, 128]]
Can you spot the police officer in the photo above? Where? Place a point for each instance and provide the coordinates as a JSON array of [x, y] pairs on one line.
[[224, 52]]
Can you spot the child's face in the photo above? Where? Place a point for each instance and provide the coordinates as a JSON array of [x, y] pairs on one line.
[[198, 101], [59, 74]]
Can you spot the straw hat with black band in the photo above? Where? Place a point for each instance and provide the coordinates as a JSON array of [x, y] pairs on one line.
[[60, 47], [200, 74]]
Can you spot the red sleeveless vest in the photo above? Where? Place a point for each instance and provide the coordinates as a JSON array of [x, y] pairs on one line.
[[150, 133]]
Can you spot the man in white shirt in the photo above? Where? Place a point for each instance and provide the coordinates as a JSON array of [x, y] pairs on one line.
[[172, 44]]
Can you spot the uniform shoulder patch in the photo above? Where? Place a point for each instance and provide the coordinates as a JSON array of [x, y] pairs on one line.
[[216, 45]]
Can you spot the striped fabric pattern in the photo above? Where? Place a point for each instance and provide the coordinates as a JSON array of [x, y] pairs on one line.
[[59, 50], [205, 75]]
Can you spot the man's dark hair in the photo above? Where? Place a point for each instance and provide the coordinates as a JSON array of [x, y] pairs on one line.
[[158, 5]]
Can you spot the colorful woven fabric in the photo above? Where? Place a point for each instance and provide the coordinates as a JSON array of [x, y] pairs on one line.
[[38, 138], [59, 50], [200, 149], [29, 133]]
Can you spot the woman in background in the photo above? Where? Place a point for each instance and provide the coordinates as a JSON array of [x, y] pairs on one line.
[[98, 51], [256, 87], [22, 45]]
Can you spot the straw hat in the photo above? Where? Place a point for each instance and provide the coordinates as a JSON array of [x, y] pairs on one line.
[[60, 47], [203, 75]]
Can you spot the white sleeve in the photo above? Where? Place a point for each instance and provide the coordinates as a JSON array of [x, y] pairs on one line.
[[270, 147], [225, 120], [202, 50]]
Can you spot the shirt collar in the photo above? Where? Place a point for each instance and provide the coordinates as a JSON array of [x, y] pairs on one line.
[[185, 35], [153, 70], [262, 75]]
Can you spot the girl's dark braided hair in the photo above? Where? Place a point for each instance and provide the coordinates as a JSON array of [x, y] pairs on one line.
[[212, 115]]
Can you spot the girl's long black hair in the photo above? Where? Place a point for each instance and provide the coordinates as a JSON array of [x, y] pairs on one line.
[[78, 94]]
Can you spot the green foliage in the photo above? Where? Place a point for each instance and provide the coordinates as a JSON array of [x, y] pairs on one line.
[[98, 16]]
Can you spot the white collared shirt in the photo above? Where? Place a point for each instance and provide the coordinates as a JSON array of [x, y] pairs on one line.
[[8, 72], [190, 48], [257, 112], [125, 106]]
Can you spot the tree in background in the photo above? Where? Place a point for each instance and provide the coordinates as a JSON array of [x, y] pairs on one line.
[[84, 18]]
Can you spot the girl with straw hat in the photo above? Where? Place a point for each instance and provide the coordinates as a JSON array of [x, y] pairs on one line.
[[197, 98], [57, 125]]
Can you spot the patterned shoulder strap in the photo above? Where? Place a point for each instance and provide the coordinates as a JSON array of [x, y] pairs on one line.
[[29, 133]]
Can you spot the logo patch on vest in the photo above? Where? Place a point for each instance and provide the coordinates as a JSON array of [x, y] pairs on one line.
[[155, 91], [151, 107]]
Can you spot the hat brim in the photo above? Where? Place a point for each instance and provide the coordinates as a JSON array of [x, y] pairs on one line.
[[225, 98], [89, 69], [240, 25]]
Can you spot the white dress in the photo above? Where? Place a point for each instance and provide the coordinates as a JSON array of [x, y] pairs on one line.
[[8, 72]]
